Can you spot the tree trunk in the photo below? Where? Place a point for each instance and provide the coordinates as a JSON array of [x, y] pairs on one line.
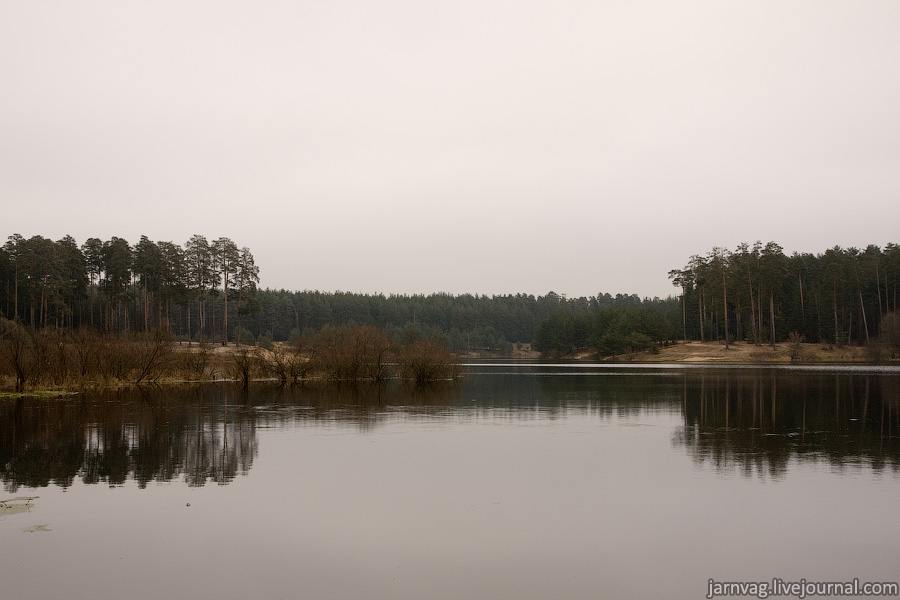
[[237, 338], [862, 308], [887, 298], [818, 316], [225, 314], [725, 302], [700, 310], [753, 321], [759, 316], [834, 303], [146, 309], [850, 328], [16, 294], [772, 315]]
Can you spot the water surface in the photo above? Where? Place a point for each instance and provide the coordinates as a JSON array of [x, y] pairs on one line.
[[522, 480]]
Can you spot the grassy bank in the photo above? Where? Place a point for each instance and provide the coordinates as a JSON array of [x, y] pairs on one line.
[[53, 361], [743, 353]]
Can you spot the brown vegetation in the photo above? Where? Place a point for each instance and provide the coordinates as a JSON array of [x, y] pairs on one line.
[[749, 353], [424, 361], [50, 357], [348, 353]]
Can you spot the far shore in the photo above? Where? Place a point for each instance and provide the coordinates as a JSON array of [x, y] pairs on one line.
[[737, 353], [744, 353], [698, 353], [694, 352]]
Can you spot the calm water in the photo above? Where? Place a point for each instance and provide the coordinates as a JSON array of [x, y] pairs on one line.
[[521, 481]]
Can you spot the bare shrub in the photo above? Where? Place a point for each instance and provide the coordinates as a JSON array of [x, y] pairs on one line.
[[84, 345], [47, 356], [243, 364], [795, 345], [17, 351], [373, 347], [351, 353], [50, 358], [152, 353], [426, 361], [327, 354], [116, 359], [283, 363], [32, 357], [195, 362]]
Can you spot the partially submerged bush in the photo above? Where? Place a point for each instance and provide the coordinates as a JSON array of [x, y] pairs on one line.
[[284, 363], [348, 353], [48, 357], [84, 347], [135, 358], [244, 361], [194, 362], [425, 361], [30, 356], [17, 351], [362, 353], [153, 352]]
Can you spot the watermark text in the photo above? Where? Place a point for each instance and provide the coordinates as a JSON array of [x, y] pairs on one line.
[[801, 589]]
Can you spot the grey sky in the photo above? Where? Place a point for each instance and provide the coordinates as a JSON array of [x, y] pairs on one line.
[[414, 146]]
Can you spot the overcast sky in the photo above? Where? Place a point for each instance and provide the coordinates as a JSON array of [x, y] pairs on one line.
[[482, 146]]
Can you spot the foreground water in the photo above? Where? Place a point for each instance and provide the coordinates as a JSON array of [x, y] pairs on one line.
[[521, 481]]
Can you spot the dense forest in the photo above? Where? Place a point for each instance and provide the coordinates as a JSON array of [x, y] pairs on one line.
[[755, 294], [208, 291], [466, 322], [115, 287], [841, 296]]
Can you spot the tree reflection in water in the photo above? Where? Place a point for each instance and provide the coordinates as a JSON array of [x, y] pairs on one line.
[[198, 433], [754, 421], [758, 421], [109, 437]]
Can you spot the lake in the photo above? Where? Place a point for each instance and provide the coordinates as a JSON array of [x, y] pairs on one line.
[[522, 480]]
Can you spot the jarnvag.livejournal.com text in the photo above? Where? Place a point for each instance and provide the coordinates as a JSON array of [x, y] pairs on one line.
[[801, 589]]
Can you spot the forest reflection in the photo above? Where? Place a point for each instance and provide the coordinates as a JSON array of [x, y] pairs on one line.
[[750, 421], [202, 433], [757, 422]]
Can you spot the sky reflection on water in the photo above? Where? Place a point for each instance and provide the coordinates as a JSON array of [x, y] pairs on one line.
[[622, 485]]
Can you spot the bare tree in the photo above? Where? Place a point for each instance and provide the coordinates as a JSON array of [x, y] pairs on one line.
[[17, 351]]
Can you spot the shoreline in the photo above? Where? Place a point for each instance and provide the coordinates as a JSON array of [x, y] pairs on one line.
[[745, 353], [738, 353], [686, 353]]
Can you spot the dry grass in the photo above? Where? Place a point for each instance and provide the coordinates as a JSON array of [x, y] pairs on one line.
[[745, 353]]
